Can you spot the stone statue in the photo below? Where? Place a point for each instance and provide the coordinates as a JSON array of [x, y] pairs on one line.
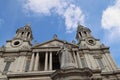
[[65, 57]]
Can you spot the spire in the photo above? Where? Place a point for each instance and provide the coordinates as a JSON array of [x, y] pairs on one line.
[[28, 24], [83, 32], [27, 27], [55, 36]]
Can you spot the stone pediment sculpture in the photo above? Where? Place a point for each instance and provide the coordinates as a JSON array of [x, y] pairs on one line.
[[66, 57], [52, 43]]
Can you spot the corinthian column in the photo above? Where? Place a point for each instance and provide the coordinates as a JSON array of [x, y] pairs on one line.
[[32, 62], [46, 61], [50, 63], [36, 62]]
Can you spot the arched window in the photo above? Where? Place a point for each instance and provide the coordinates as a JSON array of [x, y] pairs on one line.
[[27, 64], [22, 33], [85, 33], [80, 34], [83, 62], [100, 63], [28, 34], [7, 66]]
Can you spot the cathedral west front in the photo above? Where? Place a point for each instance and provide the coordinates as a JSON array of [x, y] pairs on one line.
[[56, 59]]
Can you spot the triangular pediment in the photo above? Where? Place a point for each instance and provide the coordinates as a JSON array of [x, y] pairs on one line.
[[52, 43]]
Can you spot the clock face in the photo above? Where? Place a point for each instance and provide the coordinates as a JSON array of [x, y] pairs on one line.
[[91, 41], [16, 43]]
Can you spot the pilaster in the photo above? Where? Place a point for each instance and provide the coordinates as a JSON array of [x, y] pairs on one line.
[[32, 62]]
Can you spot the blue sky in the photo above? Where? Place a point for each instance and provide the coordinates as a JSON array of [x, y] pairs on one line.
[[49, 17]]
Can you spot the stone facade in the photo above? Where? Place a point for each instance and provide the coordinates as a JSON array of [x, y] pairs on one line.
[[56, 59]]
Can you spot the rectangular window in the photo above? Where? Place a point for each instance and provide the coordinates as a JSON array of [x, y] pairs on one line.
[[7, 66], [83, 62], [27, 65], [100, 63]]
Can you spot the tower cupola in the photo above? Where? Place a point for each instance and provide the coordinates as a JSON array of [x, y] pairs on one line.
[[24, 33], [83, 33]]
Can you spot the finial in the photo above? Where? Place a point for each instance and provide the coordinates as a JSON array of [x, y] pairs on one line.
[[28, 24], [54, 36]]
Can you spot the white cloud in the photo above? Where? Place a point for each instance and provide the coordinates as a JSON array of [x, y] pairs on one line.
[[64, 8], [73, 15], [111, 21]]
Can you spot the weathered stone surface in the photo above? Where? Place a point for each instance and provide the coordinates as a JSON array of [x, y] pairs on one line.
[[56, 59]]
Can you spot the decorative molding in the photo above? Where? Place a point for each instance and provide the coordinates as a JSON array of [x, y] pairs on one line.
[[9, 59], [96, 56]]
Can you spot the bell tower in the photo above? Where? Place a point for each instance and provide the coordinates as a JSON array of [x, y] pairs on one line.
[[83, 33], [85, 39], [22, 39], [93, 53], [24, 33]]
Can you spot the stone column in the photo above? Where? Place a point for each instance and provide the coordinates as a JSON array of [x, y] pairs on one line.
[[112, 61], [98, 67], [29, 36], [111, 64], [90, 61], [105, 63], [108, 64], [26, 34], [79, 60], [79, 35], [36, 62], [87, 60], [93, 64], [32, 62], [50, 63], [46, 61], [74, 55], [19, 34]]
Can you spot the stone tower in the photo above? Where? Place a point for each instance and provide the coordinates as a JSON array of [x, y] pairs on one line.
[[22, 39]]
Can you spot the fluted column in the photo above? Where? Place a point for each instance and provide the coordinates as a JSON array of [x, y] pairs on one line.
[[79, 60], [46, 61], [32, 62], [50, 63], [36, 62]]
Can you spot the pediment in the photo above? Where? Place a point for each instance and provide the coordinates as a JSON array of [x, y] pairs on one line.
[[52, 43]]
